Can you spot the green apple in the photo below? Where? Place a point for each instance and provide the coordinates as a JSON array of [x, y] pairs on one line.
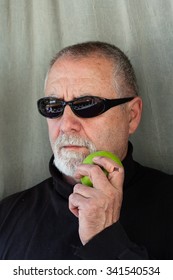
[[89, 160]]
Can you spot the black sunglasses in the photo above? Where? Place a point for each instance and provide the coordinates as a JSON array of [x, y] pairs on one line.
[[83, 107]]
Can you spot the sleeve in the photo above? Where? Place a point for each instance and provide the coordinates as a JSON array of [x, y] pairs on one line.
[[112, 244]]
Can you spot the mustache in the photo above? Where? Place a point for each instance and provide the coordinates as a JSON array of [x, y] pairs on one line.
[[65, 140]]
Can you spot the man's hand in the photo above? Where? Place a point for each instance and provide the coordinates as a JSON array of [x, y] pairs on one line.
[[97, 207]]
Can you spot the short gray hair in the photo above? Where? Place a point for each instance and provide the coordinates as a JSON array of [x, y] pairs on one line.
[[124, 75]]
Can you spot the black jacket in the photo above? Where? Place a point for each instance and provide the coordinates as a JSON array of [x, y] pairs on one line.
[[37, 224]]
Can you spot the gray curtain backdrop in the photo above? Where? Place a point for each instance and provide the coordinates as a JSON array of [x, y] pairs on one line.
[[32, 31]]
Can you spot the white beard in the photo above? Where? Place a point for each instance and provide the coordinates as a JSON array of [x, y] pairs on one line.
[[67, 161]]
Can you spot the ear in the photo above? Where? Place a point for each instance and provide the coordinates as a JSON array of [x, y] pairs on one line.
[[134, 113]]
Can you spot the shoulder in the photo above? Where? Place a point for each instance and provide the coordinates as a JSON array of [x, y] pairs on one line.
[[152, 173], [153, 180], [21, 200]]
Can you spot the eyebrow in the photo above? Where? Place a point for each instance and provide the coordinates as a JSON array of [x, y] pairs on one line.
[[81, 95]]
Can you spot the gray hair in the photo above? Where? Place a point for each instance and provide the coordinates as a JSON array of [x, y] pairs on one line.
[[124, 75]]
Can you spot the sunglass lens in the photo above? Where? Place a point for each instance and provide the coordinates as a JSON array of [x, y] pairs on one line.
[[88, 107], [50, 107]]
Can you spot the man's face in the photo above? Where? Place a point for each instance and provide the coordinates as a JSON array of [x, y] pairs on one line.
[[72, 138]]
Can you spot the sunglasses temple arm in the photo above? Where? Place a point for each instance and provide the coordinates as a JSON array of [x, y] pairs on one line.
[[112, 103]]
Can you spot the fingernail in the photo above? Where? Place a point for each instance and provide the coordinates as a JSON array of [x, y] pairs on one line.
[[116, 169], [96, 158]]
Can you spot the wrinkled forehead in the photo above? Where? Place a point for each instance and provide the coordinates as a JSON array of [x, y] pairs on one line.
[[96, 70], [74, 65]]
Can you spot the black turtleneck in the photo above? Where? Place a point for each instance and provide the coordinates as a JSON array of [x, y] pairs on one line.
[[37, 224], [66, 189]]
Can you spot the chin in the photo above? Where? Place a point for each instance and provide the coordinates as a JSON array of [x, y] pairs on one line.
[[68, 166]]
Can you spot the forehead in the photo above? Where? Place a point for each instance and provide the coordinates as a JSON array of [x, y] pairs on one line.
[[74, 67], [80, 75]]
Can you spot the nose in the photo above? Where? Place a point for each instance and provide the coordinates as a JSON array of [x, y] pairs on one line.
[[69, 122]]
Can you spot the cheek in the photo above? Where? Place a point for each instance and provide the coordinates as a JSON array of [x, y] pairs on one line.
[[98, 131], [109, 133], [53, 129]]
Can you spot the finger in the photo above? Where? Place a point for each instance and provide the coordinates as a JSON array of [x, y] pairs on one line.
[[94, 172], [75, 201], [115, 171], [83, 191], [116, 178], [81, 171], [107, 163], [86, 169]]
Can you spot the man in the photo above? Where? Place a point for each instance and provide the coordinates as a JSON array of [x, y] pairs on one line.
[[91, 103]]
